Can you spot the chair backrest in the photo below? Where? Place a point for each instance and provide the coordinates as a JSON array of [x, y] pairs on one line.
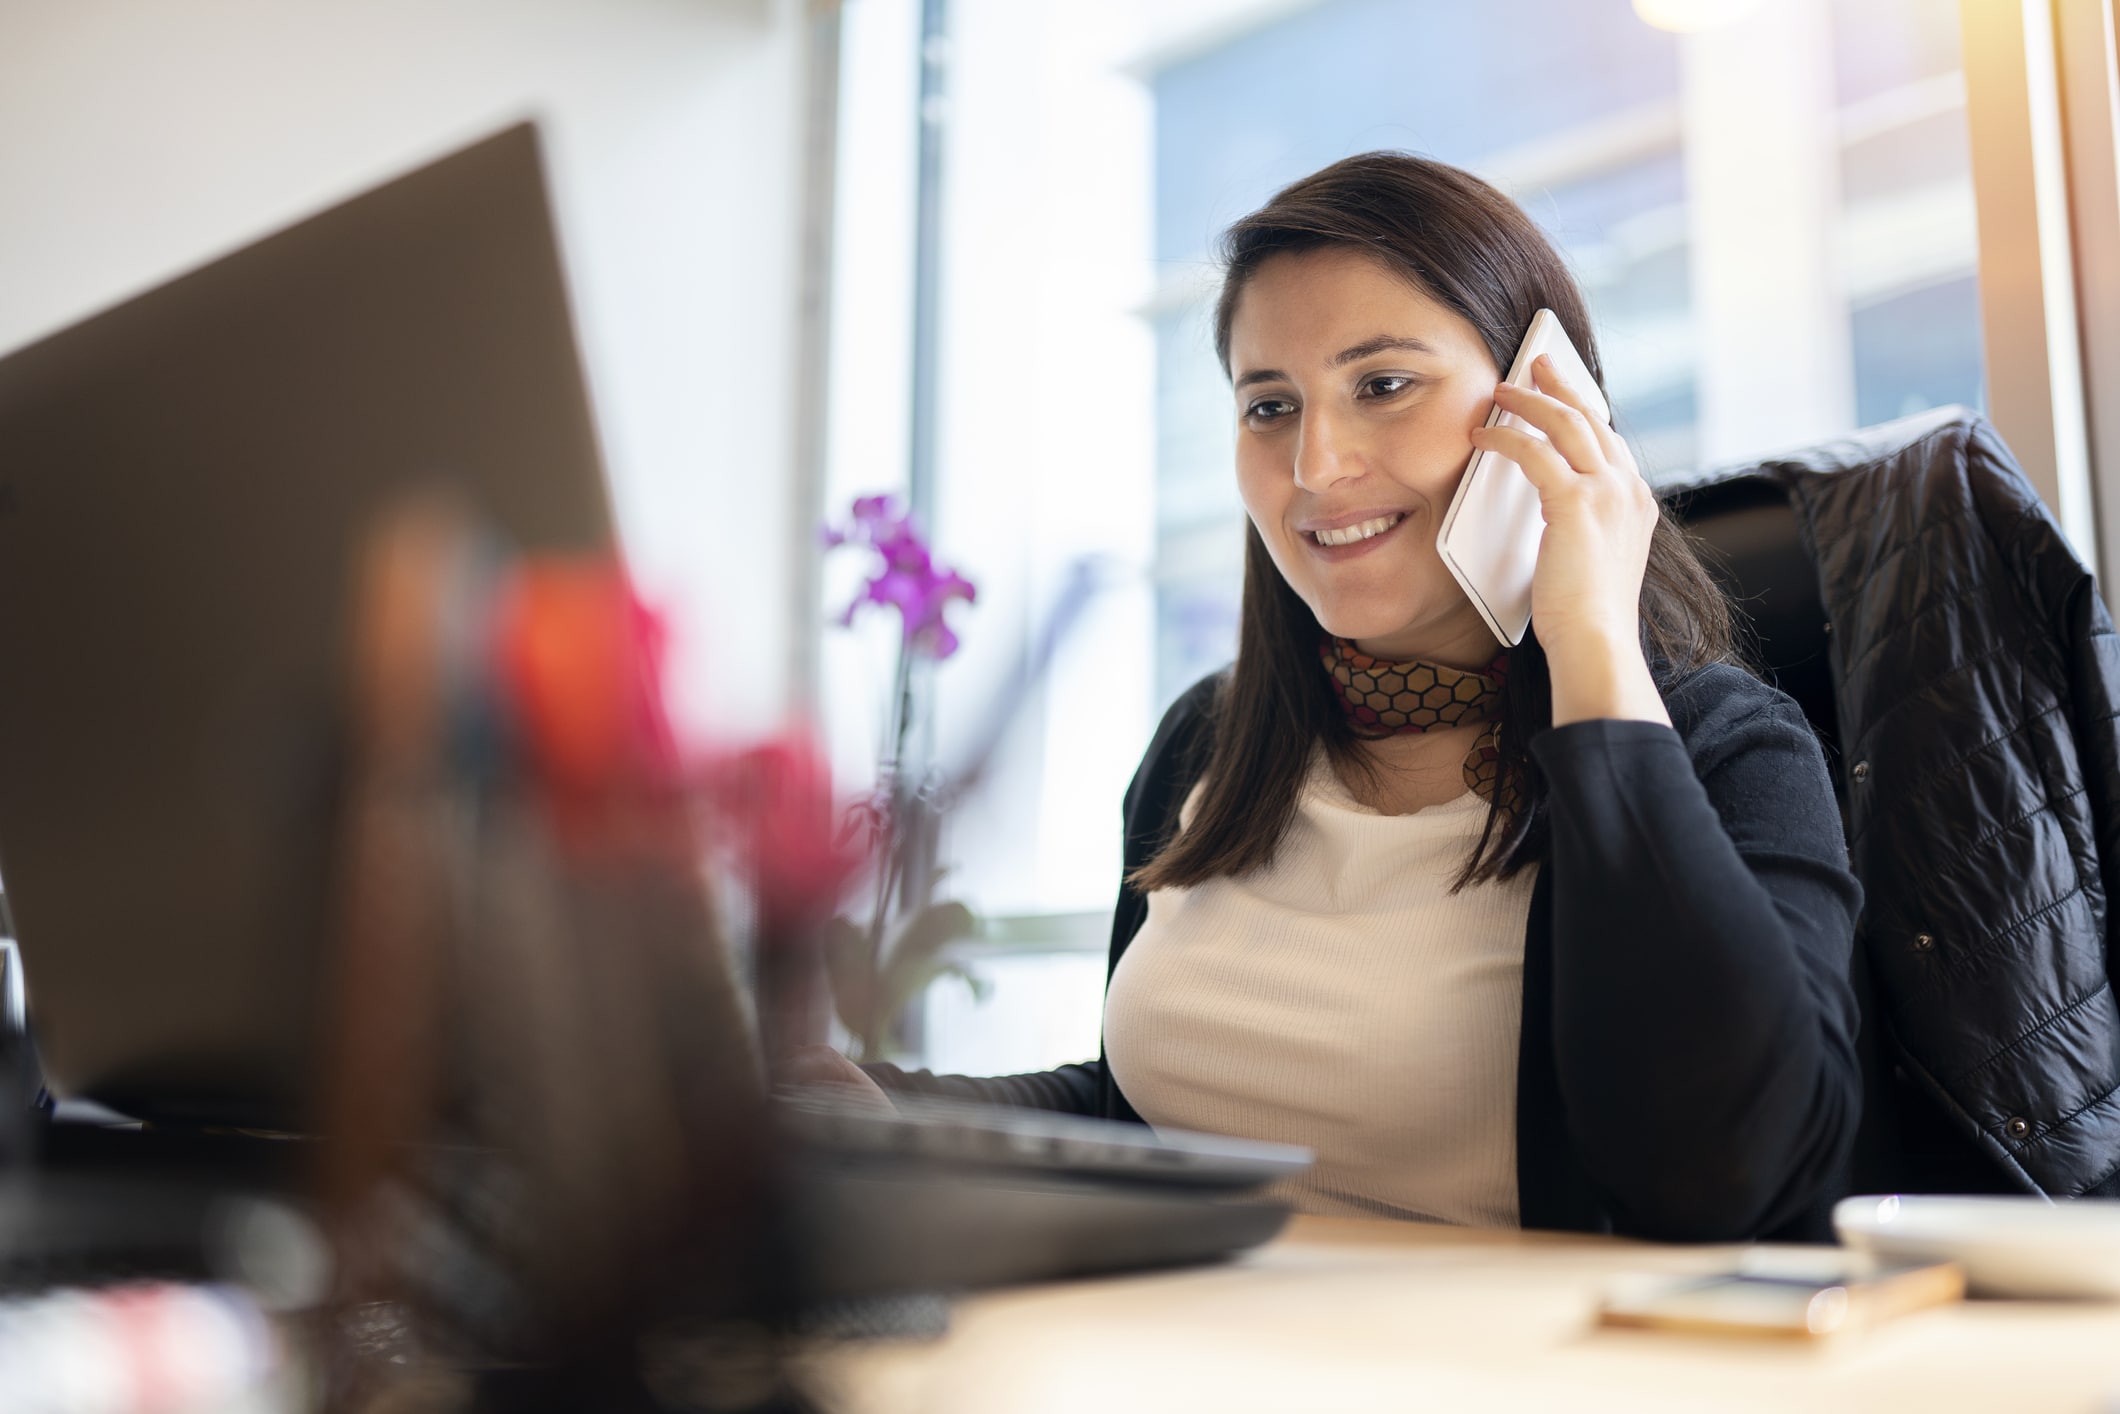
[[1754, 543], [1750, 539]]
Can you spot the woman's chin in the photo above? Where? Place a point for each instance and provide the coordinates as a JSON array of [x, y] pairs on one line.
[[1359, 627], [1416, 629], [1396, 603], [1386, 608]]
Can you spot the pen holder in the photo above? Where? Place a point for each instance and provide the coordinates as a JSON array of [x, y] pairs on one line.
[[545, 1149]]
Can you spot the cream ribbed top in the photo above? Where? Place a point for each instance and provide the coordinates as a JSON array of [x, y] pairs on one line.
[[1343, 999]]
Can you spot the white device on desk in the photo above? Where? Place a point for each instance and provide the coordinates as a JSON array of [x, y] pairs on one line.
[[1491, 533], [2009, 1245]]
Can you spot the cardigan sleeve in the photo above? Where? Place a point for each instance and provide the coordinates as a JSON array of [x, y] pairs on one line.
[[1704, 1025], [1071, 1089]]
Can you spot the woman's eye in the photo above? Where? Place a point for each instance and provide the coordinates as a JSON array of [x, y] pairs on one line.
[[1268, 409], [1385, 385]]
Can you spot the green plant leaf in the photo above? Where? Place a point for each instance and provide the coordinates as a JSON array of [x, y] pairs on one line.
[[927, 933], [913, 982], [982, 987], [853, 975]]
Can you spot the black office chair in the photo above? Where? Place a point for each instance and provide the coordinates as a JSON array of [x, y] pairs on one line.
[[1748, 535], [1756, 543]]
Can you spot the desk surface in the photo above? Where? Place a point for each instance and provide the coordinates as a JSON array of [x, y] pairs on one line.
[[1341, 1314]]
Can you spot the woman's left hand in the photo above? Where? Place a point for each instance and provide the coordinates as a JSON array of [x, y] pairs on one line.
[[1600, 515]]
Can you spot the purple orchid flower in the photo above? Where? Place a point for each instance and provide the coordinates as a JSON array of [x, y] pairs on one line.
[[908, 579]]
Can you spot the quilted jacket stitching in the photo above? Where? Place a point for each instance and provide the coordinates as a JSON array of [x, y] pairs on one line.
[[2048, 1131], [2030, 522], [1953, 767], [2028, 919], [2100, 1180], [2045, 807], [1877, 717], [2003, 1052], [1980, 951], [1884, 637]]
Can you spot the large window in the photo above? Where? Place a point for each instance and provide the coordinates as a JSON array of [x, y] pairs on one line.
[[1774, 225], [1606, 131]]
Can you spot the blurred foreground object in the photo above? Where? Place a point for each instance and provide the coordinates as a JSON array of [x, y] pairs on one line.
[[2015, 1246], [547, 1177], [144, 1348], [774, 817], [1783, 1293], [159, 1286]]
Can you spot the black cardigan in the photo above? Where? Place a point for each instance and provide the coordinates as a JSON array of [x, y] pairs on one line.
[[1687, 1067]]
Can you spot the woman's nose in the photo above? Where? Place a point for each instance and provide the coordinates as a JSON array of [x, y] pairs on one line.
[[1325, 454]]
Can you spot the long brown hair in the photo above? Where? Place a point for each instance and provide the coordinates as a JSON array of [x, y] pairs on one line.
[[1464, 244]]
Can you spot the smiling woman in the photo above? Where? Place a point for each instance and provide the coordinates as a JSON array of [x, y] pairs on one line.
[[1350, 446], [1554, 936], [1365, 318]]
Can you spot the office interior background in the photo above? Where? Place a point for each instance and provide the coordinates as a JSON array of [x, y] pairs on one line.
[[1820, 215]]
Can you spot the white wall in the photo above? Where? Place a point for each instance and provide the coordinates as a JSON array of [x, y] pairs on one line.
[[140, 139]]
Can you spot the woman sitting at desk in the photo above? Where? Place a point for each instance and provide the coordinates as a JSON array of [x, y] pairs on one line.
[[1570, 952]]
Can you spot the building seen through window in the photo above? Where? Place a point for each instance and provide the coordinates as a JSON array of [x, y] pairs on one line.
[[1593, 122]]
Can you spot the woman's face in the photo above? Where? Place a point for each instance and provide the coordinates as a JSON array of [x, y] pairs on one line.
[[1355, 397]]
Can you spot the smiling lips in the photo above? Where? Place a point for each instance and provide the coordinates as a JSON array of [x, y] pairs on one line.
[[1362, 530]]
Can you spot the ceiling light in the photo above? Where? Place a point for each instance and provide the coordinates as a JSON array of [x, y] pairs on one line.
[[1691, 16]]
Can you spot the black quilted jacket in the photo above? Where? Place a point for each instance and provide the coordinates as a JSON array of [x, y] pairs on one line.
[[1976, 677]]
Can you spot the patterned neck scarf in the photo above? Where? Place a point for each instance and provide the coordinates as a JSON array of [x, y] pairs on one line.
[[1383, 698]]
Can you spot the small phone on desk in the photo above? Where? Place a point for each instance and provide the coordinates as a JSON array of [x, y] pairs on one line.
[[1799, 1292], [1491, 533]]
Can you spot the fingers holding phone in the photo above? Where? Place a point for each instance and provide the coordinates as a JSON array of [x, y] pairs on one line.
[[1546, 461], [1598, 512]]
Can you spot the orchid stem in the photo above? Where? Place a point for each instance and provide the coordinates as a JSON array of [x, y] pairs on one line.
[[890, 778]]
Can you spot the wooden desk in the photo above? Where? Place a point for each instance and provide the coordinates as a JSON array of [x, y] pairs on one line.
[[1341, 1314]]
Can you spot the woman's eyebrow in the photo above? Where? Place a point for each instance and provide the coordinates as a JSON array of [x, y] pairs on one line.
[[1382, 343]]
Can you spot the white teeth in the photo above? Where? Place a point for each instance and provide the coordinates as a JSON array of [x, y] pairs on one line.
[[1357, 532]]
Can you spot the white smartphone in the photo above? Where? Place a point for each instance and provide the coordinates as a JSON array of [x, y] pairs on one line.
[[1491, 533]]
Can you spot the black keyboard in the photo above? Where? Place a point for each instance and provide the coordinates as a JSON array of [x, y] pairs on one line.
[[952, 1133]]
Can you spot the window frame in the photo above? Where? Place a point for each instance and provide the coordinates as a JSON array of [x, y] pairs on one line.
[[2041, 107]]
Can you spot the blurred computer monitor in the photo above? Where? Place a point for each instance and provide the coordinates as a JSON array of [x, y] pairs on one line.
[[183, 480]]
